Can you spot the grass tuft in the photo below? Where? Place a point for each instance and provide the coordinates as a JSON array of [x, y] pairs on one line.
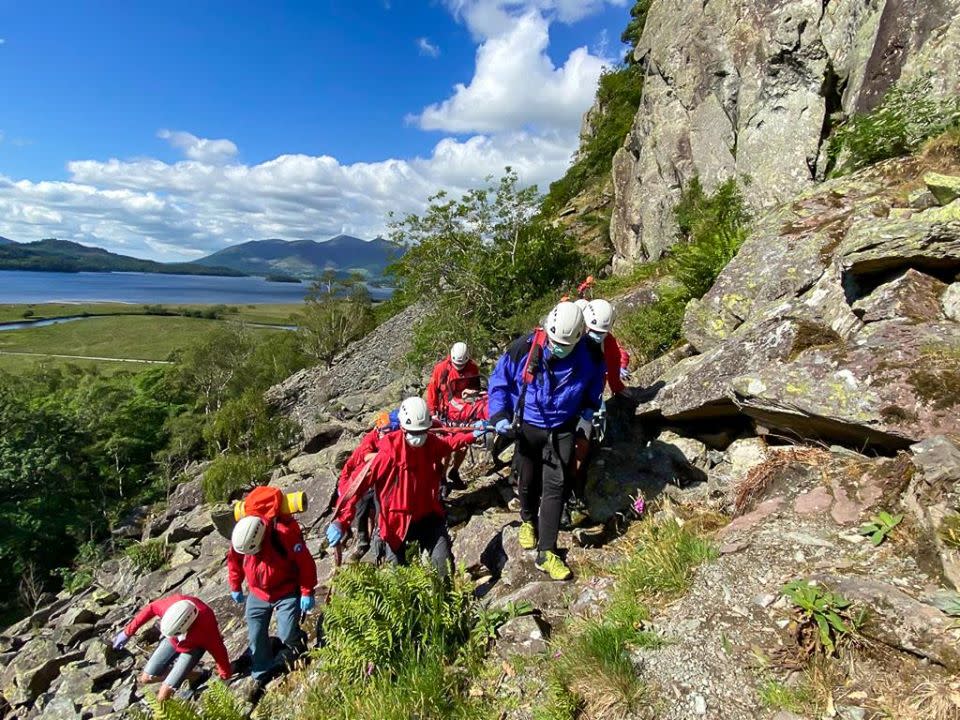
[[594, 675]]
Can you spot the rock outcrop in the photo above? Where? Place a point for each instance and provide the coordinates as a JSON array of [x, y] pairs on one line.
[[834, 321], [747, 90]]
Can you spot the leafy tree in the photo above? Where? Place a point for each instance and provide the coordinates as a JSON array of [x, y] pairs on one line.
[[478, 260], [336, 313], [48, 487], [634, 30]]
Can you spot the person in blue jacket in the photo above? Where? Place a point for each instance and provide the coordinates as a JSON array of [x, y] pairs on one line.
[[544, 390]]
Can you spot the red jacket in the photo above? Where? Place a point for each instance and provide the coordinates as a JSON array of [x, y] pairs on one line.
[[447, 383], [283, 567], [356, 460], [204, 634], [616, 358], [407, 482]]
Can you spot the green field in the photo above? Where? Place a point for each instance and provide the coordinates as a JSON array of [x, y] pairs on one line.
[[106, 341], [268, 314]]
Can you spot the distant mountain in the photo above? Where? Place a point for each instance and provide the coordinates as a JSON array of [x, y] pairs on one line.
[[66, 256], [306, 259]]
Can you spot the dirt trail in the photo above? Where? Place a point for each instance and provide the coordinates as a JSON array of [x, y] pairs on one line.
[[88, 357]]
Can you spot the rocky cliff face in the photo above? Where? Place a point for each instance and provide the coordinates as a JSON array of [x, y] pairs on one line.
[[748, 89]]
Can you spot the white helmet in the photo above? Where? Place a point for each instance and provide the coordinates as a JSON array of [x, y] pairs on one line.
[[564, 324], [178, 618], [599, 316], [582, 303], [247, 536], [459, 355], [415, 415]]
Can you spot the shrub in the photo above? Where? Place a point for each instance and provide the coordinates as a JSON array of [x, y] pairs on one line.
[[229, 474], [908, 116], [618, 97], [777, 696], [638, 20], [149, 555], [246, 424], [336, 313], [712, 229]]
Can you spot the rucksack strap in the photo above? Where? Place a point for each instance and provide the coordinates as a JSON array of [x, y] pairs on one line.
[[530, 369]]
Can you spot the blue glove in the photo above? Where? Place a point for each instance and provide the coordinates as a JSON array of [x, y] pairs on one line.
[[624, 374], [334, 534], [307, 603], [502, 427], [237, 596], [480, 429], [120, 640], [587, 415]]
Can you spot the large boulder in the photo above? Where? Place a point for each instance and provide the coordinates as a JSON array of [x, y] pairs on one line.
[[747, 89], [832, 322]]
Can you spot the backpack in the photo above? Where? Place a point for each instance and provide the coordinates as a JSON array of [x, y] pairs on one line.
[[530, 369], [264, 501]]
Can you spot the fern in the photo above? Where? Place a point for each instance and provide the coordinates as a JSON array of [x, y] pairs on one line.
[[217, 703], [378, 621]]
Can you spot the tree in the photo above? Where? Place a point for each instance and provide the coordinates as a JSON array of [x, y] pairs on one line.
[[478, 261], [336, 313], [634, 30]]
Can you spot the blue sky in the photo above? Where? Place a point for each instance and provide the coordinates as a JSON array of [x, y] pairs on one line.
[[173, 129]]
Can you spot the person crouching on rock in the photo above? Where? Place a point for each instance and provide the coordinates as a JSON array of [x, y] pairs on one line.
[[281, 576], [406, 474], [544, 388], [189, 628], [452, 378]]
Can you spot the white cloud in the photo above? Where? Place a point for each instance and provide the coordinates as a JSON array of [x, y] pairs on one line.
[[519, 109], [200, 149], [487, 18], [428, 48], [188, 208], [516, 85], [3, 41]]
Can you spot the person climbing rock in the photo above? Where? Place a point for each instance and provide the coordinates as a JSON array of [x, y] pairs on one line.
[[546, 386], [622, 404], [454, 398], [269, 552], [189, 629], [406, 474]]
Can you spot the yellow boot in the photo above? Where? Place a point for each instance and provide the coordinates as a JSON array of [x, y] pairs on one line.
[[551, 563], [527, 536]]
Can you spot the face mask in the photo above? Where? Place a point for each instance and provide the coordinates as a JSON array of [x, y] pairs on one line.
[[460, 365], [560, 351], [597, 337], [418, 440]]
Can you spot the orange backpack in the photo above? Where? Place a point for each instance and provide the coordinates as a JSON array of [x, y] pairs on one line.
[[264, 501]]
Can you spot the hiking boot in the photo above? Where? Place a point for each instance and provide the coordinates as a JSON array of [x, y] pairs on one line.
[[551, 563], [527, 536]]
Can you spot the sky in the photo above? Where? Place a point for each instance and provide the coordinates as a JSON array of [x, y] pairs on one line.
[[172, 130]]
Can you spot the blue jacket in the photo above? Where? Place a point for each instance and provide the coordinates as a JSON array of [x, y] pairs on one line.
[[562, 389]]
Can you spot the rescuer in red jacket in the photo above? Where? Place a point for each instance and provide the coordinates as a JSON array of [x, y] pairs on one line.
[[406, 475], [452, 378], [190, 629], [281, 574]]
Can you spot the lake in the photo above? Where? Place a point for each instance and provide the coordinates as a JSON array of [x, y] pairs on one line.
[[21, 287]]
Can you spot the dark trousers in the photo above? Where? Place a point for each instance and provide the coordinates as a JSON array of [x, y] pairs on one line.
[[429, 535], [366, 515], [543, 468]]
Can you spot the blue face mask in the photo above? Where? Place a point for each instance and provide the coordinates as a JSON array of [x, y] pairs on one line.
[[597, 337], [560, 351]]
